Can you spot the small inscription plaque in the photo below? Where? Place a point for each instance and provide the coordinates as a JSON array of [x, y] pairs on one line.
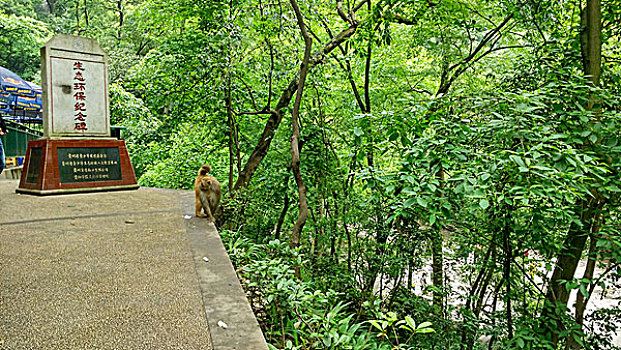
[[89, 164], [34, 165]]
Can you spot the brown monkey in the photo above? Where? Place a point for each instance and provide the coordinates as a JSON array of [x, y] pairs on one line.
[[208, 192]]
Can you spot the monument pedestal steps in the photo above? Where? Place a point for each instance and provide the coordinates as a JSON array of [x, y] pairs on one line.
[[67, 166]]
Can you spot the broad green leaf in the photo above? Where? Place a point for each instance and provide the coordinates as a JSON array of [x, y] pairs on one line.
[[432, 219], [424, 325], [519, 342], [421, 202], [484, 203], [408, 203]]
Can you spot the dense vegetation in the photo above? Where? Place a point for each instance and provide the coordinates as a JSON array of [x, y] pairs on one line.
[[397, 174]]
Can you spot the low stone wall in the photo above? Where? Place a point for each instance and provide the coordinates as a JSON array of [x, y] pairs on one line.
[[12, 173]]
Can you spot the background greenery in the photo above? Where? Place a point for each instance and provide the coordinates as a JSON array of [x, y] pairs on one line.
[[453, 151]]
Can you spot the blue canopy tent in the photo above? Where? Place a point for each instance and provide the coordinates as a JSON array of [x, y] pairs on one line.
[[24, 109], [12, 83], [30, 103], [20, 101], [36, 88], [5, 102], [27, 103]]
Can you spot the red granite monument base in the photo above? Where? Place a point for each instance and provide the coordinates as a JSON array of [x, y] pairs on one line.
[[69, 166]]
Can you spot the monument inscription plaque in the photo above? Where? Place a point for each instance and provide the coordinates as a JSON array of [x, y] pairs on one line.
[[76, 153], [89, 164]]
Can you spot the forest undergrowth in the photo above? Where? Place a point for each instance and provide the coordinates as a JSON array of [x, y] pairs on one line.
[[362, 145]]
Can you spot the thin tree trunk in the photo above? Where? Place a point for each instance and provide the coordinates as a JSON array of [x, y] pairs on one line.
[[437, 276], [437, 260], [349, 242], [230, 122], [86, 13], [51, 4], [283, 213], [367, 96], [566, 265], [335, 233], [295, 138], [314, 241], [376, 260], [483, 289], [573, 246], [260, 150], [77, 16], [237, 148], [480, 285], [119, 6], [581, 299], [507, 269], [494, 306]]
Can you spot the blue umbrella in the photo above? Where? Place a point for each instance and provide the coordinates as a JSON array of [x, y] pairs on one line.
[[13, 102], [12, 83], [5, 101], [37, 104], [27, 103], [5, 97], [35, 87]]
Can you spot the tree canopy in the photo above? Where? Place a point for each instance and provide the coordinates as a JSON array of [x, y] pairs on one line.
[[436, 174]]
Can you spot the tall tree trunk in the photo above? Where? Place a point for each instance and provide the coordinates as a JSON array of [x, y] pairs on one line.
[[77, 17], [573, 246], [367, 95], [119, 7], [237, 148], [581, 299], [566, 264], [295, 138], [86, 14], [230, 122], [276, 114], [437, 268], [591, 41], [437, 260], [51, 4], [283, 212], [477, 293], [506, 239]]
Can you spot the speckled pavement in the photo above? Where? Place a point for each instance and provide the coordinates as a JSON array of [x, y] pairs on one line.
[[115, 270]]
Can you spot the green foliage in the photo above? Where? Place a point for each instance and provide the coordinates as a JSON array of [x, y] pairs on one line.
[[456, 130], [174, 162], [20, 39], [296, 315]]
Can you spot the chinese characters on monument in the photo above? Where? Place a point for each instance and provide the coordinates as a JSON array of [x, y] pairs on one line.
[[79, 86], [76, 79]]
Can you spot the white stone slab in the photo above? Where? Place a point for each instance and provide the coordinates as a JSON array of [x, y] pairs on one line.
[[75, 88]]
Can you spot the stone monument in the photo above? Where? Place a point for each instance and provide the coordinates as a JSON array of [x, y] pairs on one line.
[[76, 153]]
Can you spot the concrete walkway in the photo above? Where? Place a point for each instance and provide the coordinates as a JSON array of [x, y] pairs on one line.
[[116, 270]]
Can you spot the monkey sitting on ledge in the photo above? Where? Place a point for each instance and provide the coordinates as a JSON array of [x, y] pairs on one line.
[[208, 192]]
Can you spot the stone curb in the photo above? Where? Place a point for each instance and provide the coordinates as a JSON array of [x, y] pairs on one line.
[[232, 323]]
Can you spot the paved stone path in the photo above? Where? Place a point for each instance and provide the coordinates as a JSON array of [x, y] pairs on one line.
[[116, 270]]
